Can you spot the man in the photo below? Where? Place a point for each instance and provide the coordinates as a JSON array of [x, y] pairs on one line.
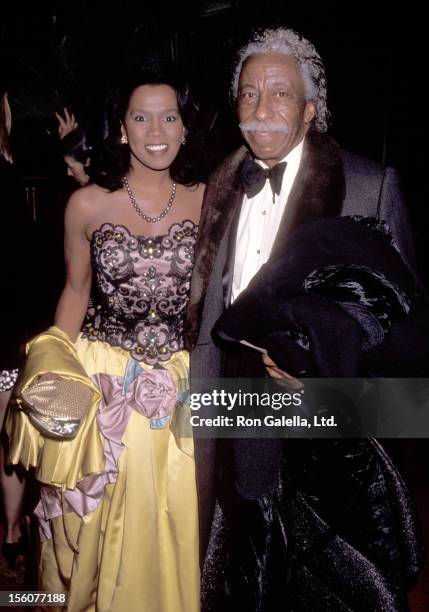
[[288, 173]]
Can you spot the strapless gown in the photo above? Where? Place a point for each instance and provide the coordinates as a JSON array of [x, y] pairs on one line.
[[126, 538]]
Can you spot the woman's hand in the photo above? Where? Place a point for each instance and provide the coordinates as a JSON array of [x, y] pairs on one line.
[[66, 124]]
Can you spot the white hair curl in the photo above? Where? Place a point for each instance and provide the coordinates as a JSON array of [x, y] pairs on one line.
[[309, 62]]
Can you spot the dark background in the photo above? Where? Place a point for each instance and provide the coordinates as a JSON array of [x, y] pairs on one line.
[[60, 54], [67, 53]]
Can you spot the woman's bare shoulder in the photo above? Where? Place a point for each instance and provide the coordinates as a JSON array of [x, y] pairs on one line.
[[85, 205], [88, 196]]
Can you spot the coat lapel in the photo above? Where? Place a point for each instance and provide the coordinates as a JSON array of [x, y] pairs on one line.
[[224, 195], [318, 190]]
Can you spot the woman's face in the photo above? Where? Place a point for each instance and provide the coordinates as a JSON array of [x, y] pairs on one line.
[[153, 126], [76, 169]]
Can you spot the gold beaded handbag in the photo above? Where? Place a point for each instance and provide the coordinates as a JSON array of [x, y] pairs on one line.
[[56, 407]]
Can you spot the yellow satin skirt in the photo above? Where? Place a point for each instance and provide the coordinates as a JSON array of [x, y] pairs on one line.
[[138, 550]]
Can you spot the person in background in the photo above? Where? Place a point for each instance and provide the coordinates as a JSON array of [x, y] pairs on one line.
[[14, 329], [74, 146], [77, 155]]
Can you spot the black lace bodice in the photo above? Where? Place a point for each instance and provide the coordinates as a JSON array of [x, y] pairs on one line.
[[143, 285]]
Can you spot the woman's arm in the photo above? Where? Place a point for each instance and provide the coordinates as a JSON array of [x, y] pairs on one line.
[[73, 302]]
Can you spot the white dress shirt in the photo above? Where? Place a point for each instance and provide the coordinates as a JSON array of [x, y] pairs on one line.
[[259, 222]]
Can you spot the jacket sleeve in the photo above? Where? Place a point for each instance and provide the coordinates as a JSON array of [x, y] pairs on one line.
[[391, 209], [373, 190]]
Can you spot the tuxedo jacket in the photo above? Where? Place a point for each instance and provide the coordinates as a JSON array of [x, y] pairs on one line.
[[329, 182]]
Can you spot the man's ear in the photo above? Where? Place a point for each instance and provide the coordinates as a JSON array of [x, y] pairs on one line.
[[309, 111]]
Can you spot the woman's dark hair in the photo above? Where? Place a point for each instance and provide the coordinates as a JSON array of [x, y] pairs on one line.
[[114, 160], [75, 144]]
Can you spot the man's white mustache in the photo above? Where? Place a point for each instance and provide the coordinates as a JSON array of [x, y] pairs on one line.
[[267, 127]]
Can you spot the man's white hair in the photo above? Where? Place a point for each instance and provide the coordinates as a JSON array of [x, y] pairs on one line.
[[309, 62]]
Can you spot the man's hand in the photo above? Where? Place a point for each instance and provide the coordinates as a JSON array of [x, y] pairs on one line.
[[275, 372], [66, 124]]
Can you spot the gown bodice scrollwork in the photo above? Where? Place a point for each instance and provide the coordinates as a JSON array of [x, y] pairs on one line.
[[143, 285]]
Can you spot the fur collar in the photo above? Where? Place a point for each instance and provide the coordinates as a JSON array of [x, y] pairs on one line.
[[318, 191]]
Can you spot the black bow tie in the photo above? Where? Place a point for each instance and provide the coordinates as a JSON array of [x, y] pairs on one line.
[[253, 177]]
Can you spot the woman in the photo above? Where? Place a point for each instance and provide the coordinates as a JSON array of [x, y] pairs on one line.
[[76, 150], [15, 221], [77, 155], [128, 538]]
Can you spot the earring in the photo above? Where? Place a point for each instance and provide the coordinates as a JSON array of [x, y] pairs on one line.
[[124, 140], [183, 141]]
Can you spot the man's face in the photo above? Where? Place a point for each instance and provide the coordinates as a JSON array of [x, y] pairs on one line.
[[273, 113]]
